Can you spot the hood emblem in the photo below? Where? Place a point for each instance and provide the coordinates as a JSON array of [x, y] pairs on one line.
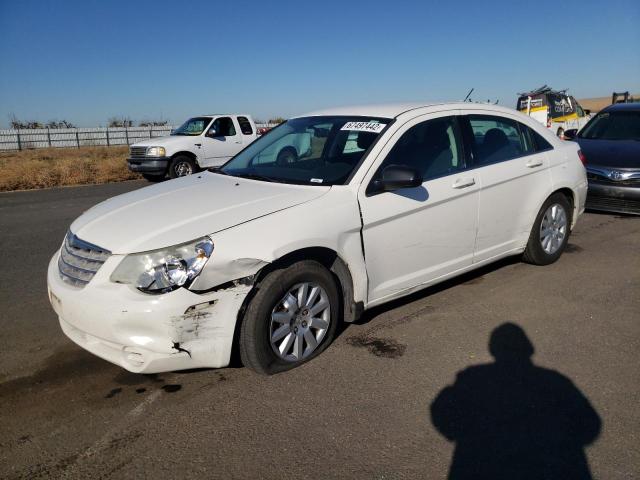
[[616, 175]]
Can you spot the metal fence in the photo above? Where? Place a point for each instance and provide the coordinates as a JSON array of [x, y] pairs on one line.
[[81, 137]]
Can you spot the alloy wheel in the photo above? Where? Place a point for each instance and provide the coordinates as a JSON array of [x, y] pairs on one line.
[[553, 228], [299, 322]]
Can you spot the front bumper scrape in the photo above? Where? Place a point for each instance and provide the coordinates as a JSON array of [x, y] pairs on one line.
[[147, 333]]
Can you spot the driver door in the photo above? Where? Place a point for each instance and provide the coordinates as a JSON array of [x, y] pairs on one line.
[[221, 141], [415, 236]]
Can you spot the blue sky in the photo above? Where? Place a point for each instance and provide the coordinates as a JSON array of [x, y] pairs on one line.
[[86, 61]]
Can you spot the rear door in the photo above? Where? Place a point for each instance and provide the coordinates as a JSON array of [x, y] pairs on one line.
[[416, 235], [513, 176], [222, 141]]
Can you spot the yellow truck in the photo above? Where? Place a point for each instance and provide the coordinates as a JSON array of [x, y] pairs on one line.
[[556, 109]]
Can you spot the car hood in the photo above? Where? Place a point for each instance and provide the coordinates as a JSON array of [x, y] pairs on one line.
[[611, 153], [184, 209], [168, 141]]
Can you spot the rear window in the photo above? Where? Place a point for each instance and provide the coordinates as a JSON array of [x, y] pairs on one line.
[[496, 139], [245, 126], [539, 143]]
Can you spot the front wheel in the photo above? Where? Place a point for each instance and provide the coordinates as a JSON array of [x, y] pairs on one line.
[[550, 232], [291, 319], [182, 166]]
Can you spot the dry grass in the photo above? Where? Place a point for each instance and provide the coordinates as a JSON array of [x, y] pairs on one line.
[[53, 167]]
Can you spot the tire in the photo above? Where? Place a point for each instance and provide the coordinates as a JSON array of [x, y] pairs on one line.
[[153, 178], [546, 249], [267, 318], [181, 166], [286, 156]]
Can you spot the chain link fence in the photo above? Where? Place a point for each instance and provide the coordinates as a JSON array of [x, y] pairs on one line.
[[11, 140]]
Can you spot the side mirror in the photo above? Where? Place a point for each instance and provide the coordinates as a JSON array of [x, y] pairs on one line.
[[570, 134], [395, 177], [212, 133], [587, 111]]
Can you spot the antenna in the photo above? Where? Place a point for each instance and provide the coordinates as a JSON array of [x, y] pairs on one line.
[[468, 94]]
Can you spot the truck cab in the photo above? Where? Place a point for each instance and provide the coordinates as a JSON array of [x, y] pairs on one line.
[[200, 142]]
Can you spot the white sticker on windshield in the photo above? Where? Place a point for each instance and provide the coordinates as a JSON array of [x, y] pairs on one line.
[[316, 180], [374, 127]]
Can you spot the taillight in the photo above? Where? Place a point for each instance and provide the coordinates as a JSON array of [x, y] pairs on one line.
[[583, 159], [548, 122]]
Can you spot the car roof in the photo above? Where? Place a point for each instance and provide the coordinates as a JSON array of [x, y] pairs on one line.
[[627, 107], [394, 110], [211, 115]]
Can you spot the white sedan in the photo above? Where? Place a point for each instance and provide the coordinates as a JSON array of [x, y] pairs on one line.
[[269, 256]]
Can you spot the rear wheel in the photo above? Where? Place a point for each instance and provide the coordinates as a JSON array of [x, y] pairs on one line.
[[291, 319], [181, 166], [550, 232]]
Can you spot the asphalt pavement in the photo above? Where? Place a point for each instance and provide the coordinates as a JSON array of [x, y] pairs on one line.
[[393, 397]]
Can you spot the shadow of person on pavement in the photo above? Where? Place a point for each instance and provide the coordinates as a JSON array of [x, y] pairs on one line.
[[513, 420]]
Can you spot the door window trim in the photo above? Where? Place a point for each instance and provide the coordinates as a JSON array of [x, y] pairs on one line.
[[469, 140], [462, 155]]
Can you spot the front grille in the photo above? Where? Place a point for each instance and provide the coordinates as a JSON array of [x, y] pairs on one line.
[[137, 151], [79, 261], [612, 204], [631, 182]]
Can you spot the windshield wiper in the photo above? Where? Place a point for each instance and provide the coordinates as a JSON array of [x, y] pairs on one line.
[[217, 170], [254, 176]]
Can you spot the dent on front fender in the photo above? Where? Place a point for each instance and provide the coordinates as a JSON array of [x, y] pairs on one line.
[[215, 274]]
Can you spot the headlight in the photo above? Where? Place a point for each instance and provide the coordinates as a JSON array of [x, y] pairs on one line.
[[156, 152], [161, 271]]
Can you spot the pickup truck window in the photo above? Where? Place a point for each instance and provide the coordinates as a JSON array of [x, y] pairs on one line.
[[224, 126], [245, 126], [309, 151], [193, 126]]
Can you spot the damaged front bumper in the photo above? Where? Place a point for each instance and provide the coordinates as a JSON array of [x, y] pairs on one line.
[[147, 333]]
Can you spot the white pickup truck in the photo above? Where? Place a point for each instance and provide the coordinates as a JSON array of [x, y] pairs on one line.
[[201, 142]]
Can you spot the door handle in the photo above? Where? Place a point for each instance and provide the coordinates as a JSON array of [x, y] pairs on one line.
[[198, 144], [533, 163], [238, 142], [464, 182]]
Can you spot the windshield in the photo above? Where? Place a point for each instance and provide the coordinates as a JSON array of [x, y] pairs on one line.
[[193, 126], [613, 126], [309, 151]]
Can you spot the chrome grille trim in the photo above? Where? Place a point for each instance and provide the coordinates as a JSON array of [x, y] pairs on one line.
[[139, 152], [79, 261]]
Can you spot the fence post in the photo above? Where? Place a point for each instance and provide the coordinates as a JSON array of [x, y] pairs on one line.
[[126, 134], [48, 137], [150, 128], [77, 139], [19, 142], [108, 144]]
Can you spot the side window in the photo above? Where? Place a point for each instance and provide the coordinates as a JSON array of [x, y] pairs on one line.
[[432, 147], [496, 139], [539, 142], [224, 127], [245, 126]]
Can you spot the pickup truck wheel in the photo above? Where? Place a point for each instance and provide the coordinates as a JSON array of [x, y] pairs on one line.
[[153, 178], [181, 166], [550, 232], [286, 156], [291, 319]]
